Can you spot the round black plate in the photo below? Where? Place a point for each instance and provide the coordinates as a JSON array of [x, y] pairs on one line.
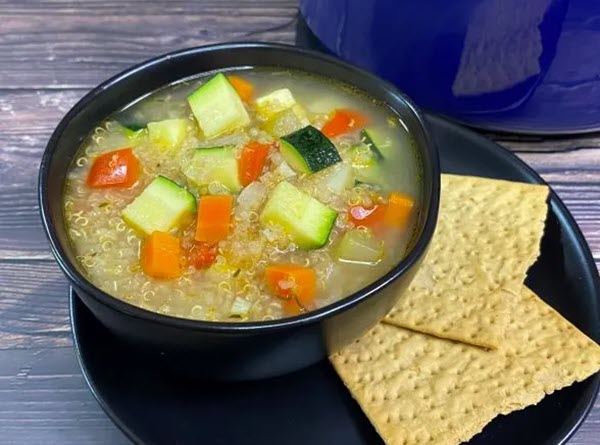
[[312, 406]]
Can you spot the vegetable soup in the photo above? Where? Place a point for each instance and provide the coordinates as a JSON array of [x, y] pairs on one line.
[[243, 195]]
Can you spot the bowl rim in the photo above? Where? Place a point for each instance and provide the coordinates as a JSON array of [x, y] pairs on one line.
[[238, 327]]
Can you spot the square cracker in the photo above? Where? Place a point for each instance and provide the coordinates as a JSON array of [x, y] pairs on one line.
[[419, 389], [488, 235]]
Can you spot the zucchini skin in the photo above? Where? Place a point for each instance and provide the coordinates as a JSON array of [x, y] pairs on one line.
[[317, 151]]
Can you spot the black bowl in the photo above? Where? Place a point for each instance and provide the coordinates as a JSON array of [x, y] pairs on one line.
[[244, 350]]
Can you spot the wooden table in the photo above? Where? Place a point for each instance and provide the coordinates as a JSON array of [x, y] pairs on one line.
[[51, 53]]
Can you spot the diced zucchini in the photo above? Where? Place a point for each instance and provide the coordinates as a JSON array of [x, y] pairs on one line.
[[380, 144], [359, 246], [338, 177], [218, 107], [307, 221], [133, 120], [162, 205], [287, 121], [308, 150], [365, 165], [133, 135], [215, 165], [275, 102], [169, 133]]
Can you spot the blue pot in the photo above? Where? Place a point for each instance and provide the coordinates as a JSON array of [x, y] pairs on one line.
[[526, 66]]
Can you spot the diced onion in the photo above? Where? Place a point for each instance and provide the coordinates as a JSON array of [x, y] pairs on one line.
[[240, 307], [252, 196]]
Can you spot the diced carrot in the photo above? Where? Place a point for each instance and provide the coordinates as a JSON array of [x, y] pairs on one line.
[[161, 255], [344, 121], [398, 210], [295, 284], [202, 254], [119, 168], [214, 218], [252, 162], [244, 88], [371, 217]]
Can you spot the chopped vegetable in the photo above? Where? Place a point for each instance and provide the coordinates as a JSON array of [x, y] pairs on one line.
[[372, 217], [307, 221], [275, 102], [295, 284], [133, 135], [214, 218], [119, 168], [285, 171], [359, 246], [252, 162], [130, 120], [169, 133], [218, 107], [367, 168], [398, 210], [287, 121], [244, 88], [240, 307], [380, 144], [308, 150], [161, 254], [203, 254], [160, 207], [338, 177], [344, 121], [215, 165], [251, 197]]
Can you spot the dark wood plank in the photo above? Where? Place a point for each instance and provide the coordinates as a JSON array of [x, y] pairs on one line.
[[47, 44], [44, 399], [28, 119], [33, 305]]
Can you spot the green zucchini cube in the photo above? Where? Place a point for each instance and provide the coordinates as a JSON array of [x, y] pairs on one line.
[[307, 221], [217, 107], [161, 206]]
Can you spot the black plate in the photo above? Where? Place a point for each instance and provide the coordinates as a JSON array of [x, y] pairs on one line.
[[312, 406]]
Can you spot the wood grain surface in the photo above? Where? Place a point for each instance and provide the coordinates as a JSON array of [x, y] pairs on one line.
[[51, 53]]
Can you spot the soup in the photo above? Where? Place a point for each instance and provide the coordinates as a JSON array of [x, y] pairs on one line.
[[248, 195]]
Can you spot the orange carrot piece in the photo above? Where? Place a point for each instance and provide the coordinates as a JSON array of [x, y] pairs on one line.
[[119, 168], [161, 255], [344, 121], [398, 210], [252, 162], [295, 284], [244, 88], [371, 217], [203, 255], [214, 218]]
